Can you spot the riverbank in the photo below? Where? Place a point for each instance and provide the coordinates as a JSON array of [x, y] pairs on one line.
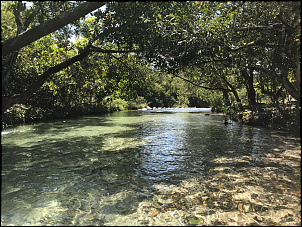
[[286, 117], [21, 114], [283, 117]]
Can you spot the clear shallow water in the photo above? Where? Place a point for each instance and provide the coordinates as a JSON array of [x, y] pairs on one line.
[[95, 169]]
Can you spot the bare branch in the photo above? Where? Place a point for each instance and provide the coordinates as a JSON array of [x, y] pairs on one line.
[[127, 66]]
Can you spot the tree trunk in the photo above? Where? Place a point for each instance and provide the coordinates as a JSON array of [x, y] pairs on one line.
[[9, 101], [295, 93], [237, 98], [290, 88], [31, 35], [233, 90], [249, 84], [226, 98]]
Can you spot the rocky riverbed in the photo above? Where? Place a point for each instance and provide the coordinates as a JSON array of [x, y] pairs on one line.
[[245, 196]]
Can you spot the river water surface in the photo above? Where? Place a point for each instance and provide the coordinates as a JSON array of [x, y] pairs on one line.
[[98, 170]]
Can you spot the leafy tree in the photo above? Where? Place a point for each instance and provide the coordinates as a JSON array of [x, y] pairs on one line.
[[24, 17], [227, 47], [47, 27]]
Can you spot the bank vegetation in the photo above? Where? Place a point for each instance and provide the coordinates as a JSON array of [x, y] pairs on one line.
[[71, 58]]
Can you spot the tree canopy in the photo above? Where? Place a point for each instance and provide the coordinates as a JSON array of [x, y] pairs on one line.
[[237, 51]]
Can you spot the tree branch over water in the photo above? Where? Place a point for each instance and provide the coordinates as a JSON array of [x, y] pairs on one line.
[[198, 85], [29, 36], [8, 101]]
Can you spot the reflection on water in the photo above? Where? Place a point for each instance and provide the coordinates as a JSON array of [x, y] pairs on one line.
[[95, 169]]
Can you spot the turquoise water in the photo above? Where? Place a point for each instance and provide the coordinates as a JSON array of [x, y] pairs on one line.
[[96, 170]]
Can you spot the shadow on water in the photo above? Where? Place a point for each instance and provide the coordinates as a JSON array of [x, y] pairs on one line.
[[90, 169], [88, 173], [71, 124]]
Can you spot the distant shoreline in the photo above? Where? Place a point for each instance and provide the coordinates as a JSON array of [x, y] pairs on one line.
[[176, 110]]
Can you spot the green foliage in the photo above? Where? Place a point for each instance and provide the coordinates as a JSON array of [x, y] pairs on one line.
[[139, 103], [216, 102], [121, 104], [117, 105], [8, 24], [14, 115], [186, 54]]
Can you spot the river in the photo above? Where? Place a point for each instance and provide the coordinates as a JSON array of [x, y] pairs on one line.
[[103, 170]]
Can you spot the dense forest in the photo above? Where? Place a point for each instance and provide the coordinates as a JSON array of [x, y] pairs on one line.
[[70, 58]]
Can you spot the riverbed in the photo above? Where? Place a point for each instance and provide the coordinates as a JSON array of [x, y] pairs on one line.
[[149, 168]]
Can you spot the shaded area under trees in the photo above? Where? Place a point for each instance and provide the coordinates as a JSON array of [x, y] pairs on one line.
[[230, 55]]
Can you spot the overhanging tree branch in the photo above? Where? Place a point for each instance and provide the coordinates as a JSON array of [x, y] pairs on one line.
[[9, 101], [282, 78], [198, 85], [126, 65], [27, 37], [20, 29]]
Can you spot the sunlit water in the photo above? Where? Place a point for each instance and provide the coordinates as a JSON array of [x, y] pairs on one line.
[[94, 169]]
